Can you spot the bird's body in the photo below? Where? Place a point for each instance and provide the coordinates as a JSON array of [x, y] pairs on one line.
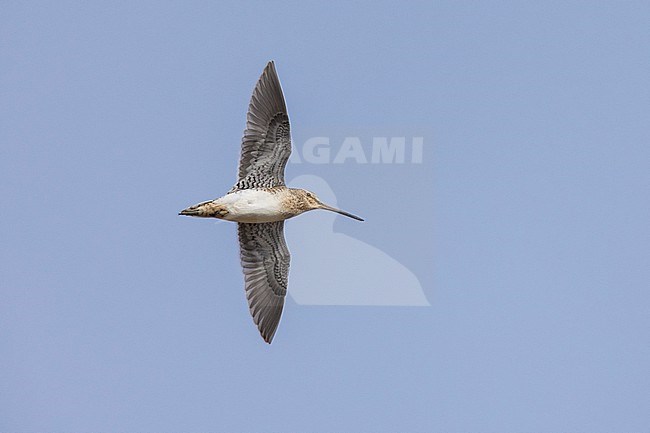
[[260, 202], [255, 205], [259, 205]]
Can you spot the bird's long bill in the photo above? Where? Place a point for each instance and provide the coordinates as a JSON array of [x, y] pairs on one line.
[[342, 212]]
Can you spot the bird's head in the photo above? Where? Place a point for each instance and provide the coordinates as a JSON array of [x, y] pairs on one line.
[[309, 201]]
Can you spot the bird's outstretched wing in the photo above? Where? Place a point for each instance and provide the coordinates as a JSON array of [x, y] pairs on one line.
[[266, 144], [265, 261]]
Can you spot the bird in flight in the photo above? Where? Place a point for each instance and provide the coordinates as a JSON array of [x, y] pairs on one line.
[[260, 202]]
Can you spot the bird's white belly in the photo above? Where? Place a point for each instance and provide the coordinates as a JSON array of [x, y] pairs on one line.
[[253, 206]]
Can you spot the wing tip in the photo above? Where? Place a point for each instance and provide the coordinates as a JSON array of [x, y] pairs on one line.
[[272, 74], [269, 68], [268, 322], [267, 334], [267, 98]]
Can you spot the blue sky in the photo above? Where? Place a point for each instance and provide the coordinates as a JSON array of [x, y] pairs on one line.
[[525, 224]]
